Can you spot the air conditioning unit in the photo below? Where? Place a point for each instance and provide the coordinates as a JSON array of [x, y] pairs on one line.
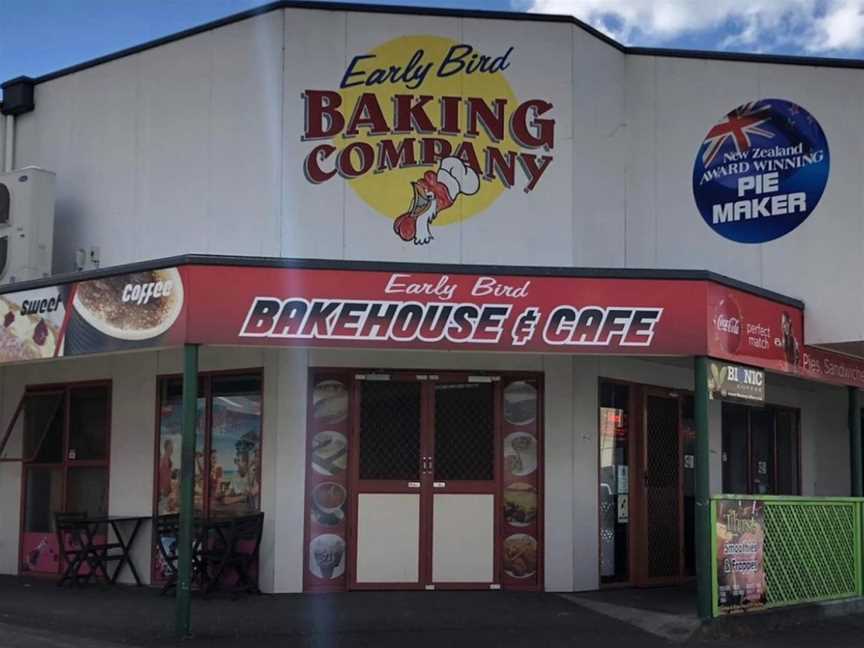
[[26, 224]]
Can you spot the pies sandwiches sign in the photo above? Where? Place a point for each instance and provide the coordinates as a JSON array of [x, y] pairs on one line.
[[427, 132]]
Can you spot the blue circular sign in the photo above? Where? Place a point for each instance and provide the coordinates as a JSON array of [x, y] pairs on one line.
[[761, 171]]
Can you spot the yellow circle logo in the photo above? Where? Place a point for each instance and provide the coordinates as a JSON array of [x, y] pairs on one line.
[[427, 130], [390, 192]]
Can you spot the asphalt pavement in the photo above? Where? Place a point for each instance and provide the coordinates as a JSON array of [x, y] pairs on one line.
[[40, 615]]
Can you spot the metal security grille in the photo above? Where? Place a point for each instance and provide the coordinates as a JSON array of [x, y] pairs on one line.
[[464, 432], [661, 487], [390, 430], [811, 551]]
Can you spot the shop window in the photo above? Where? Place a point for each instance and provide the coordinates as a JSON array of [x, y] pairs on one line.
[[788, 452], [227, 445], [761, 450], [762, 467], [88, 424], [390, 427], [614, 482], [688, 443], [87, 490], [235, 445], [61, 437], [464, 432], [170, 438], [35, 434], [44, 496], [735, 449]]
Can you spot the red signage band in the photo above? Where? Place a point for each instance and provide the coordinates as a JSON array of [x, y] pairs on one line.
[[231, 305], [423, 310], [267, 306], [754, 330]]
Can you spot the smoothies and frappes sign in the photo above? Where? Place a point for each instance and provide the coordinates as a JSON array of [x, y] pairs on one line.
[[427, 130], [740, 538]]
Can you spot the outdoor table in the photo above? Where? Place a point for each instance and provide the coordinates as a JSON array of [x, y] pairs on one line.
[[124, 543]]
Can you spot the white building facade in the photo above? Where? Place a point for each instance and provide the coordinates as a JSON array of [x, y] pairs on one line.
[[285, 160]]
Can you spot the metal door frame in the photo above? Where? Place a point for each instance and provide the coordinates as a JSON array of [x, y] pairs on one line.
[[66, 465], [639, 533], [427, 488], [384, 486], [493, 487]]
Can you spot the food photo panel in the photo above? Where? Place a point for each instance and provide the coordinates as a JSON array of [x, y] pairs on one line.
[[327, 484], [520, 489]]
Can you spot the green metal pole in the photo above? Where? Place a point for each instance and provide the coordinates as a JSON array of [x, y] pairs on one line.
[[855, 441], [187, 490], [702, 476]]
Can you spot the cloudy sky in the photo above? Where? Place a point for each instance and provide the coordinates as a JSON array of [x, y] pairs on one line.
[[810, 27], [40, 36]]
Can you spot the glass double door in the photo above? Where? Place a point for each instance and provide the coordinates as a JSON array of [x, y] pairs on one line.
[[424, 482]]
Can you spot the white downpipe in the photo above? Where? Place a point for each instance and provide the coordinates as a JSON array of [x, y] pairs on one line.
[[9, 144]]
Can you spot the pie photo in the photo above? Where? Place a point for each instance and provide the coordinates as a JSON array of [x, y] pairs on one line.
[[25, 337]]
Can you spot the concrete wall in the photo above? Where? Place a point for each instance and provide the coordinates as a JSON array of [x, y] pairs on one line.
[[168, 151], [671, 101], [571, 440]]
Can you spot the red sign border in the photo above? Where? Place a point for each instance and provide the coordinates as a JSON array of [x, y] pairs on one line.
[[761, 338]]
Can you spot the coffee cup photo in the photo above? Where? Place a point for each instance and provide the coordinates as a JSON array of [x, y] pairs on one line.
[[134, 307]]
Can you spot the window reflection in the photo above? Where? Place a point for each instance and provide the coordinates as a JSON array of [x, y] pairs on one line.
[[227, 445], [761, 450], [614, 482]]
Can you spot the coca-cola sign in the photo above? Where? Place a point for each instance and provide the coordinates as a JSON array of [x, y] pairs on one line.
[[727, 324]]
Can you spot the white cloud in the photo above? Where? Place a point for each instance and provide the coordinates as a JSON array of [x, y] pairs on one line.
[[813, 26]]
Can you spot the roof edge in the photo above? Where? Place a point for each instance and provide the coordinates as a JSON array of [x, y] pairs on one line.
[[776, 59], [396, 266], [458, 13], [329, 6]]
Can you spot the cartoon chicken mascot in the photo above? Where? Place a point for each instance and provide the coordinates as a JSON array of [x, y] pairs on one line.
[[433, 193]]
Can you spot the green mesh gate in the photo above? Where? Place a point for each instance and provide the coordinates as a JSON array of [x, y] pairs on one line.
[[812, 548]]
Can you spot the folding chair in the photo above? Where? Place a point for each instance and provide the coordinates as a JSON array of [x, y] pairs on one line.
[[241, 553], [167, 534], [72, 541], [99, 554], [167, 528]]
